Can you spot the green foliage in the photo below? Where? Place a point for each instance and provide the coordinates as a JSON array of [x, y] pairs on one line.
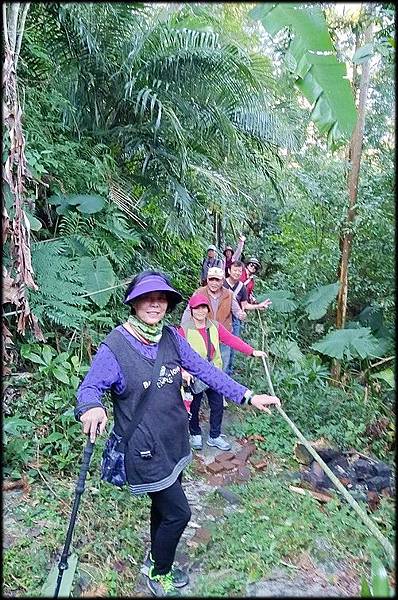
[[348, 343], [109, 234], [317, 408], [156, 131], [379, 586], [86, 204], [58, 299], [185, 98], [317, 301], [312, 59], [281, 300], [34, 224], [363, 54], [97, 275], [100, 546], [64, 366], [50, 431], [287, 349], [386, 375], [274, 526], [17, 445]]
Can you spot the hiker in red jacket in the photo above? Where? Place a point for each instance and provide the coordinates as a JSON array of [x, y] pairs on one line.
[[253, 266], [204, 336]]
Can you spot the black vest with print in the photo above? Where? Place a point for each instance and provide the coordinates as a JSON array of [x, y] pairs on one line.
[[161, 440]]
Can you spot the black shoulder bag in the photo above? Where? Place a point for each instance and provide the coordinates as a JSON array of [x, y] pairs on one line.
[[112, 466]]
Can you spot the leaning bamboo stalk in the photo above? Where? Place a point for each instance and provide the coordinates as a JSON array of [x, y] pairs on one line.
[[351, 501]]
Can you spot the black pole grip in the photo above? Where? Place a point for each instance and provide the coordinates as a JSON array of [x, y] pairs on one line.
[[88, 450]]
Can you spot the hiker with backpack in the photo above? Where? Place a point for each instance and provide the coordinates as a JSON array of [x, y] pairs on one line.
[[140, 363], [205, 335], [209, 262], [222, 306]]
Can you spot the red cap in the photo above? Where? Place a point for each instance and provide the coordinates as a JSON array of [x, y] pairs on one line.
[[197, 300]]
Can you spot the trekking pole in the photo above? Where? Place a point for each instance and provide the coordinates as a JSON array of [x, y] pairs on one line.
[[63, 563], [351, 501]]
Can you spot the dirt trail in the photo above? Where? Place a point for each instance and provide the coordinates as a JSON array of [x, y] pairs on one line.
[[311, 576]]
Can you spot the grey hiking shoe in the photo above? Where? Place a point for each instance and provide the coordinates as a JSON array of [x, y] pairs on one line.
[[196, 442], [161, 585], [180, 578], [219, 442]]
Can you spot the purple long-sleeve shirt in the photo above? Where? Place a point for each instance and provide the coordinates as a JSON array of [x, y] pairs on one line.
[[105, 372]]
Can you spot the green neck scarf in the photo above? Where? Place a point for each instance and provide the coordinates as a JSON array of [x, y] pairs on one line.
[[152, 333]]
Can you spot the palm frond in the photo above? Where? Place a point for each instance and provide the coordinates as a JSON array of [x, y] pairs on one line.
[[121, 194]]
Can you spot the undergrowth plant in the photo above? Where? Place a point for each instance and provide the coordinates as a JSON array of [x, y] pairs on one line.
[[272, 526], [344, 415], [41, 432]]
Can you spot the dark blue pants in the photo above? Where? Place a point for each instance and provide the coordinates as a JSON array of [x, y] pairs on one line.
[[216, 412], [170, 514], [236, 326]]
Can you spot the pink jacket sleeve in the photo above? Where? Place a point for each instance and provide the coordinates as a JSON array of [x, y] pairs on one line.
[[231, 340]]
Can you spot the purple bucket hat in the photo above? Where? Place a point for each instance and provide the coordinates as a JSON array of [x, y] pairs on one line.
[[152, 283]]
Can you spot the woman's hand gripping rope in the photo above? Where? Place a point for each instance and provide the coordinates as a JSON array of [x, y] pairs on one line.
[[262, 401]]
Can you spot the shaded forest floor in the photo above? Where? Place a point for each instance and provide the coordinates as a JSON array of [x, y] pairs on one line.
[[250, 538]]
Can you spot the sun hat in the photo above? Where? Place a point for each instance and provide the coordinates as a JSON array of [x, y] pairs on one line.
[[254, 261], [228, 248], [198, 299], [215, 272], [152, 283], [211, 247]]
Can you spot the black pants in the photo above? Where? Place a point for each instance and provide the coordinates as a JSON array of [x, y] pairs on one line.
[[170, 514], [216, 413]]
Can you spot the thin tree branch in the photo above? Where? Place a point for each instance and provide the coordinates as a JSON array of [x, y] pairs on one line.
[[20, 32], [12, 24], [5, 29]]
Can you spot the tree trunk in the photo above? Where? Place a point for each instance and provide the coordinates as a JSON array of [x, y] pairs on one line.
[[217, 228], [346, 238], [14, 174]]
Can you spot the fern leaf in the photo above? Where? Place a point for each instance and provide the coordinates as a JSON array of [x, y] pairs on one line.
[[59, 297]]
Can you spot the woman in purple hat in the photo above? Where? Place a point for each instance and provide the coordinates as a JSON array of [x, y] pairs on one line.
[[157, 449]]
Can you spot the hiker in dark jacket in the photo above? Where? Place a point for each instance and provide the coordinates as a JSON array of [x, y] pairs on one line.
[[158, 449], [210, 261]]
